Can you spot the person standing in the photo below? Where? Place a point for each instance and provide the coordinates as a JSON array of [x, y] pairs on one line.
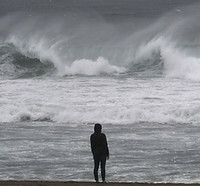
[[100, 151]]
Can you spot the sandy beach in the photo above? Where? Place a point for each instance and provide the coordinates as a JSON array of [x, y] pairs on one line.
[[56, 183]]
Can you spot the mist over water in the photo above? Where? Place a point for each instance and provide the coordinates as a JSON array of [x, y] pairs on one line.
[[76, 40]]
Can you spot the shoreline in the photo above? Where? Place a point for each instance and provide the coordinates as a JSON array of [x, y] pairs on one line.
[[76, 183]]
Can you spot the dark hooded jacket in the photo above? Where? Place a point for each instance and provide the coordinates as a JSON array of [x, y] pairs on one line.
[[98, 142]]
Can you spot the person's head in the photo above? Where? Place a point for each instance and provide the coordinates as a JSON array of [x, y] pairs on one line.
[[97, 128]]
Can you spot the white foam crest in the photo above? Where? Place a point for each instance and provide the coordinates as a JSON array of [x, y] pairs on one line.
[[114, 115], [38, 48], [179, 64], [124, 115], [146, 50], [89, 67], [13, 113]]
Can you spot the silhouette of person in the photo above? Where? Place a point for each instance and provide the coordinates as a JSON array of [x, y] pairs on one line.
[[100, 151]]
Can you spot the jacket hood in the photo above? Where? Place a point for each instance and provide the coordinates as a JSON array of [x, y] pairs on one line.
[[97, 128]]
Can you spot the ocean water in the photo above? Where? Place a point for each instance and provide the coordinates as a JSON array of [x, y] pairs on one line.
[[131, 65]]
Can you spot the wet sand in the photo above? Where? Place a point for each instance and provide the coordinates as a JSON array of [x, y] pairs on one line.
[[56, 183]]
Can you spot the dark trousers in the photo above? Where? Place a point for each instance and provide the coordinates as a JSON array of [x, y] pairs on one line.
[[97, 160]]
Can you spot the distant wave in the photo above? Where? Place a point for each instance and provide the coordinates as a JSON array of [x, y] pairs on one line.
[[74, 44], [16, 65], [162, 55]]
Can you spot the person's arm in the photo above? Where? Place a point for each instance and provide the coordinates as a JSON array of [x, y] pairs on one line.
[[107, 150], [91, 143]]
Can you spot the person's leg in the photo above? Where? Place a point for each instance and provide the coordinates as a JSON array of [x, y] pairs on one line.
[[103, 169], [96, 167]]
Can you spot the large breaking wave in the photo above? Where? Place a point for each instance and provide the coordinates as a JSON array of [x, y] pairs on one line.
[[77, 43], [15, 64]]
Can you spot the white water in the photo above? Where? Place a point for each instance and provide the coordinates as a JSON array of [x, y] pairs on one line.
[[112, 99]]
